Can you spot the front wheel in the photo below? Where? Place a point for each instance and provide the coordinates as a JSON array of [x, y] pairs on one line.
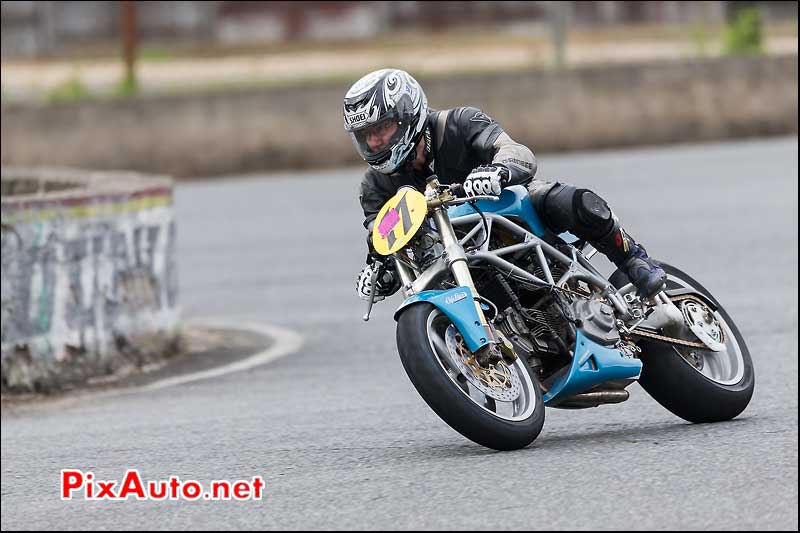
[[697, 385], [500, 408]]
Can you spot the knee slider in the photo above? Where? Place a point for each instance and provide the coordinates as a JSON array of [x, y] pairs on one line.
[[591, 209], [594, 217]]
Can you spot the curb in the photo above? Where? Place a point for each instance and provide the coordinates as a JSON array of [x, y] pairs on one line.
[[274, 342]]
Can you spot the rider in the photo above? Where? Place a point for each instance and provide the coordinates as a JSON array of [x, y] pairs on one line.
[[387, 117]]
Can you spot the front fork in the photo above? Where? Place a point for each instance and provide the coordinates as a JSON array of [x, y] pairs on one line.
[[457, 263]]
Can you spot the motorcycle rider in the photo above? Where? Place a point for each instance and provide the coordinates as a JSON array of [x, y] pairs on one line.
[[387, 117]]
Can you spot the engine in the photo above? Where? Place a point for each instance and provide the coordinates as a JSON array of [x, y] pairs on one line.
[[530, 319]]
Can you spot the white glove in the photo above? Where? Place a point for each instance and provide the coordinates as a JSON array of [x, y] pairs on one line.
[[386, 285], [488, 180]]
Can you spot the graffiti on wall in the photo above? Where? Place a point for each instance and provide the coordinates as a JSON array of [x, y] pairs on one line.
[[83, 283]]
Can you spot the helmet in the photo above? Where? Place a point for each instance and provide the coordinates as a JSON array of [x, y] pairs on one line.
[[380, 98]]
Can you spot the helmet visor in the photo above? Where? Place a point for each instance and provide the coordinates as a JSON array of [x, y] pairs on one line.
[[375, 142]]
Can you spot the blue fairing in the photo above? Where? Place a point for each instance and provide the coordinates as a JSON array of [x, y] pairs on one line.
[[514, 202], [592, 364], [459, 306]]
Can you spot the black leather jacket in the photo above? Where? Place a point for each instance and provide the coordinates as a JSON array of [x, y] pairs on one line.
[[469, 139]]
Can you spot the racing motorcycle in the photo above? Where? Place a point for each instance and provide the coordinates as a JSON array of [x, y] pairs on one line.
[[502, 318]]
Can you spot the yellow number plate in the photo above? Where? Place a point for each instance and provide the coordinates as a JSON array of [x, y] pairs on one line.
[[398, 221]]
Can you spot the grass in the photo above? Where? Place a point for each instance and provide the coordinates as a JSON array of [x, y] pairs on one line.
[[745, 36], [71, 90], [126, 88], [701, 39], [155, 54]]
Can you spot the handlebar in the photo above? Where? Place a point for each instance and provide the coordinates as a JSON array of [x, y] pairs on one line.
[[456, 195], [466, 199], [457, 190]]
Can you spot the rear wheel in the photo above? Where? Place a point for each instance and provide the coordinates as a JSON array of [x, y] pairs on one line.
[[695, 384], [500, 408]]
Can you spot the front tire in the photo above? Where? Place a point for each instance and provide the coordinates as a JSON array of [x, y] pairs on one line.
[[421, 330], [675, 377]]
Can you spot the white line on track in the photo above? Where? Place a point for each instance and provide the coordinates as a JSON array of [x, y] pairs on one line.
[[286, 343]]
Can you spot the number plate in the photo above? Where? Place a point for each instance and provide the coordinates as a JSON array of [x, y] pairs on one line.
[[398, 221]]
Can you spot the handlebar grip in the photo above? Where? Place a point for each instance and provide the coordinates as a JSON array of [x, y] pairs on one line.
[[457, 190]]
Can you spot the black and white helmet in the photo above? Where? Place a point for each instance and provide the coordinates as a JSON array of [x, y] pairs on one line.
[[378, 99]]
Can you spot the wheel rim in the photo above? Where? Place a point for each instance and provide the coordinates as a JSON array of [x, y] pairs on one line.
[[518, 409], [725, 367]]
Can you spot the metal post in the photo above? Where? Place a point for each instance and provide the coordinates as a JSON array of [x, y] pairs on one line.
[[129, 42]]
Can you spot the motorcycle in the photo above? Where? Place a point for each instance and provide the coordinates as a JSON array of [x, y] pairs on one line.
[[502, 318]]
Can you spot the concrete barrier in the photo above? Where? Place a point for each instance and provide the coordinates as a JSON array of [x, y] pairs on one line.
[[301, 127], [89, 281]]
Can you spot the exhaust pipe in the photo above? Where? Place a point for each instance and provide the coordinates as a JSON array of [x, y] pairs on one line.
[[593, 399]]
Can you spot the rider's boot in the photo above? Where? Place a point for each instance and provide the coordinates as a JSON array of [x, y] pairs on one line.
[[632, 259]]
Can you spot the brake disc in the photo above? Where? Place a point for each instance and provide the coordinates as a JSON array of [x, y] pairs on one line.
[[498, 381]]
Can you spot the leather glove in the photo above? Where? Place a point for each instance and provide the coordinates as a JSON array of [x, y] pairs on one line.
[[486, 180], [386, 285]]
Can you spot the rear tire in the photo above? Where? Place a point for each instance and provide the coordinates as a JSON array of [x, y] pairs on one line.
[[678, 385], [435, 382]]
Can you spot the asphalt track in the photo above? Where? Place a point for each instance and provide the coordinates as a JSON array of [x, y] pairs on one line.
[[342, 439]]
